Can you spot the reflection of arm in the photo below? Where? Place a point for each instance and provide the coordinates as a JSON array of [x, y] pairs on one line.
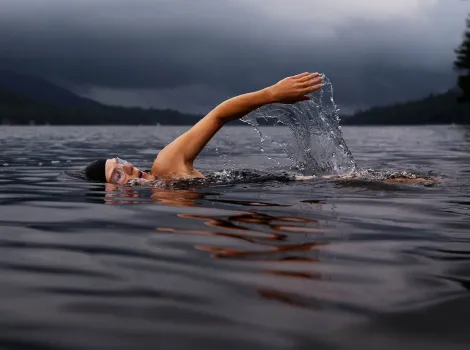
[[183, 151]]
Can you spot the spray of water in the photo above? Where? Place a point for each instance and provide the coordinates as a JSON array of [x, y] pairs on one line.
[[317, 145]]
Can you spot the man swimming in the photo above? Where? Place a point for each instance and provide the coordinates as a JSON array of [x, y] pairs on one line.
[[175, 161]]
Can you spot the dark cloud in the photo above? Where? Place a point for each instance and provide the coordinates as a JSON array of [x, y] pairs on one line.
[[190, 54]]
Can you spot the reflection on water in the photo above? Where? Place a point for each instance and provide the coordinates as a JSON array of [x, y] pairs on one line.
[[266, 237], [171, 197], [264, 244], [267, 242]]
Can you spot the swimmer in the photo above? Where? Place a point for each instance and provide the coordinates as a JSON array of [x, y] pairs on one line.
[[175, 161]]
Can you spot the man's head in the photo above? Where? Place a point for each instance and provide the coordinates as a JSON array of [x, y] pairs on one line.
[[114, 170]]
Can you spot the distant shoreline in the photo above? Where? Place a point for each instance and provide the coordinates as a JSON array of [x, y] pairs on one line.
[[435, 109], [31, 101]]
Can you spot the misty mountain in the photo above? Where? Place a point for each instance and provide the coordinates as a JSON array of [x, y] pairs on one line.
[[41, 90], [27, 99]]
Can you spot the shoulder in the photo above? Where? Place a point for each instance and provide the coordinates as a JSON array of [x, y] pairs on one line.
[[166, 163]]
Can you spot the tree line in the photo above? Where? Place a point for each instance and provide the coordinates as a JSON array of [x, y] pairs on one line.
[[462, 65], [20, 110]]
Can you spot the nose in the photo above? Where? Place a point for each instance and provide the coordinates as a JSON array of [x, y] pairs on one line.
[[128, 168]]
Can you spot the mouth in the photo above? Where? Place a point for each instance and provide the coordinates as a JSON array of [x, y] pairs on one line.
[[140, 174]]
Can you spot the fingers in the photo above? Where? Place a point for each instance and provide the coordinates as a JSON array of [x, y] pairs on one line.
[[310, 82], [308, 77], [301, 75], [311, 89]]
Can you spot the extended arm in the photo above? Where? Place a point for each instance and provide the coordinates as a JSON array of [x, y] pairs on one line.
[[181, 153]]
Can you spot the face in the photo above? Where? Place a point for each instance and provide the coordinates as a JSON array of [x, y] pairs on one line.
[[119, 172]]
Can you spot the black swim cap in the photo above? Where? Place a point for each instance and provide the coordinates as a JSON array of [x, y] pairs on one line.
[[95, 171]]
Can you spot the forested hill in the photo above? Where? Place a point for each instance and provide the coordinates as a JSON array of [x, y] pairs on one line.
[[19, 110], [41, 90], [26, 99], [434, 109]]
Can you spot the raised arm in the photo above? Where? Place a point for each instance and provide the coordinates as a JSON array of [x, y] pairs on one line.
[[181, 153]]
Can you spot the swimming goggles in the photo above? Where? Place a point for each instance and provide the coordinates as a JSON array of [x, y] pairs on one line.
[[118, 174], [121, 161]]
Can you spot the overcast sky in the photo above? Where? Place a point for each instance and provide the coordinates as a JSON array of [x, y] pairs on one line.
[[191, 54]]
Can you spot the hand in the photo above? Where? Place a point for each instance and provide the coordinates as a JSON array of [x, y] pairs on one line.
[[296, 88]]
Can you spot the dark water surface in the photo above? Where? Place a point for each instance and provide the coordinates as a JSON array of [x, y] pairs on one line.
[[316, 264]]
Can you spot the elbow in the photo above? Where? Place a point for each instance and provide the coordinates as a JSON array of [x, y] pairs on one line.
[[219, 119]]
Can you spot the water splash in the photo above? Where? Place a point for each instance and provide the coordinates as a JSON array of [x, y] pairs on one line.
[[317, 146], [387, 175], [222, 177]]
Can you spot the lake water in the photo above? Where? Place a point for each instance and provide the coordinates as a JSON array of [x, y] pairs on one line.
[[317, 264]]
